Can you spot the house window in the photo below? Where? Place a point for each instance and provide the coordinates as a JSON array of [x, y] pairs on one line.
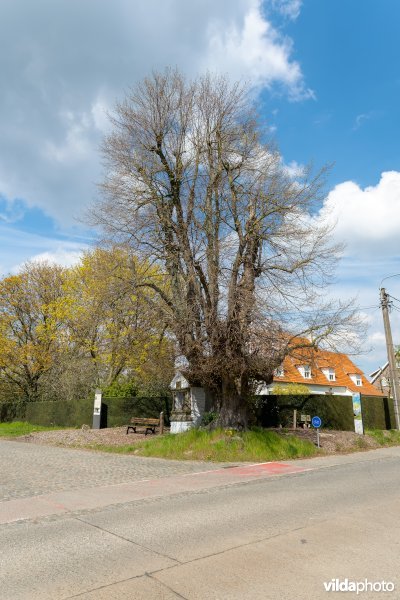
[[279, 372], [329, 373], [307, 372], [358, 380]]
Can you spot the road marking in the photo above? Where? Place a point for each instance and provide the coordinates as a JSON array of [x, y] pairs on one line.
[[267, 468]]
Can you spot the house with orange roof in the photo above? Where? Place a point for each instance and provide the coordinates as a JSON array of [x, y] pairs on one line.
[[323, 372]]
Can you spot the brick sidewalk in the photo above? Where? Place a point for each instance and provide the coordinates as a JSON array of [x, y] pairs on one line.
[[30, 470], [100, 497]]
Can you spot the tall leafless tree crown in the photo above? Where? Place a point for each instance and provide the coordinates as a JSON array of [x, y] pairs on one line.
[[193, 183]]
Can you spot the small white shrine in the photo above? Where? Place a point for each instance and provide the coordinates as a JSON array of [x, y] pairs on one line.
[[188, 404]]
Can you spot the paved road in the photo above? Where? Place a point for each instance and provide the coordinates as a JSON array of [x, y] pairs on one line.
[[32, 469], [274, 531]]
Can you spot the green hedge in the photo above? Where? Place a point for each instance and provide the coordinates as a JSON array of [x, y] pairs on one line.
[[14, 410], [336, 412], [119, 411], [115, 411], [377, 413], [70, 413]]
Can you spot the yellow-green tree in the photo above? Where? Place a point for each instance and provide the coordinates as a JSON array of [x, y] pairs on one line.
[[65, 331], [117, 325], [33, 308]]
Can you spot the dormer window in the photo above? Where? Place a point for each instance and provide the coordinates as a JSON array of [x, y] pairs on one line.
[[305, 371], [356, 378], [279, 372], [329, 374]]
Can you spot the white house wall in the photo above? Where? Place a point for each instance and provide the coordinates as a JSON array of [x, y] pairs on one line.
[[266, 390]]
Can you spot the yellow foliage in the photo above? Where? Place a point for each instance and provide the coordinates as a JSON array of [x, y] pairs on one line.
[[291, 389], [93, 311]]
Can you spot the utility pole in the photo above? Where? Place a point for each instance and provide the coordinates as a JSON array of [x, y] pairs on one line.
[[390, 353]]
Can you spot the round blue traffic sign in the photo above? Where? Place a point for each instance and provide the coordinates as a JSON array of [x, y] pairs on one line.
[[316, 422]]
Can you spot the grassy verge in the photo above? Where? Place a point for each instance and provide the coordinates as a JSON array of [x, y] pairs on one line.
[[18, 428], [385, 438], [227, 446]]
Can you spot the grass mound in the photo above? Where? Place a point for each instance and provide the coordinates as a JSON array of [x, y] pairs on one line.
[[257, 445], [385, 438], [18, 428]]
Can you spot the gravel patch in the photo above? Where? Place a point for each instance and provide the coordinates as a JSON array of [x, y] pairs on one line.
[[336, 442], [80, 438]]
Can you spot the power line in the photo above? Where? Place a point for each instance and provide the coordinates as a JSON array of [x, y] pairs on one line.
[[332, 311]]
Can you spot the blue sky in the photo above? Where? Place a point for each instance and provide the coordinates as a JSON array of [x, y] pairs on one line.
[[349, 56], [326, 73]]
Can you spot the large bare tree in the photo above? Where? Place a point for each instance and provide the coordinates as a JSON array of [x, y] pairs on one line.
[[193, 183]]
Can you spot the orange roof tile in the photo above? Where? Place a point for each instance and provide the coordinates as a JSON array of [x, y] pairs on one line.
[[324, 359]]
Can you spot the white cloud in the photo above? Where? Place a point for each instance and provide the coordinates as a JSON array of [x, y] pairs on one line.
[[293, 169], [360, 119], [60, 256], [65, 63], [367, 220], [255, 50], [76, 145], [377, 337], [288, 8], [100, 110], [376, 345], [12, 212], [22, 246]]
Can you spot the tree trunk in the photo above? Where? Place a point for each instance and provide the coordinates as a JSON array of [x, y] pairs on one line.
[[234, 407]]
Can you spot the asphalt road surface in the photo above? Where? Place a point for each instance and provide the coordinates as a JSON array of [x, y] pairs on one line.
[[279, 530]]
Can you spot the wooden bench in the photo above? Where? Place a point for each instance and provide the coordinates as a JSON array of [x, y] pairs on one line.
[[149, 424]]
